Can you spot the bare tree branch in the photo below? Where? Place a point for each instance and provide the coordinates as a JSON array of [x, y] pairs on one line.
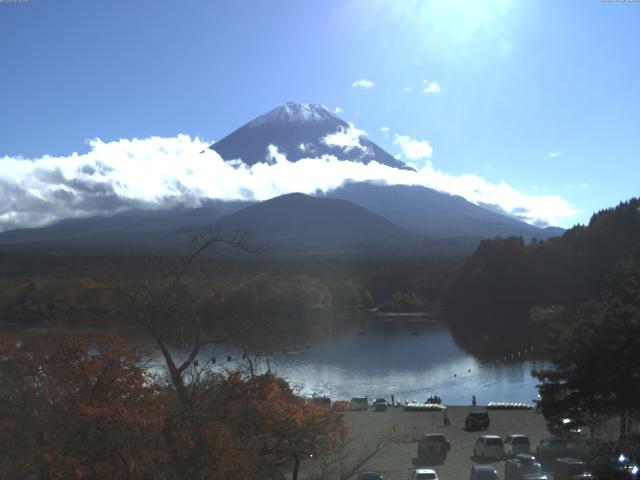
[[332, 466]]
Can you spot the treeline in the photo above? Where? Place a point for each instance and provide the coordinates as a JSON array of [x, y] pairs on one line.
[[304, 287], [505, 295], [593, 362], [86, 288]]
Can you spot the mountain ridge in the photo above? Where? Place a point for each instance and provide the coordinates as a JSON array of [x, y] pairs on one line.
[[436, 214], [300, 214]]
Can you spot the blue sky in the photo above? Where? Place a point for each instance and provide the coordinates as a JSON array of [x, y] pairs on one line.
[[543, 95]]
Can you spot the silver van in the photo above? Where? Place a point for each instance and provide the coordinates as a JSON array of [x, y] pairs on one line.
[[489, 446], [515, 444], [359, 404]]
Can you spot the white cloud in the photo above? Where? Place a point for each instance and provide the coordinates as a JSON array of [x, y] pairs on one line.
[[346, 138], [385, 131], [413, 149], [337, 110], [407, 89], [431, 88], [555, 154], [165, 172], [363, 83]]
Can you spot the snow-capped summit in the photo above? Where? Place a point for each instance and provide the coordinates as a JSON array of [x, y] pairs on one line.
[[295, 112], [301, 130]]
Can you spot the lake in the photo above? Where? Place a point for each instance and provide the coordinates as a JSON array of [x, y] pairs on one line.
[[392, 356], [378, 355]]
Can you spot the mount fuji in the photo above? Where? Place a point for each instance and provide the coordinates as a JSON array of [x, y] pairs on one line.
[[301, 130], [353, 219]]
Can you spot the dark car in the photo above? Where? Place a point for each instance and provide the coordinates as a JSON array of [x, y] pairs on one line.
[[433, 448], [324, 401], [370, 476], [380, 405], [483, 472], [568, 428], [569, 468], [629, 444], [612, 467], [477, 421], [591, 448], [552, 447], [523, 467]]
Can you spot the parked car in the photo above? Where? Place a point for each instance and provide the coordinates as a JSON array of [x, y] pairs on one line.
[[423, 474], [433, 448], [515, 444], [483, 472], [359, 404], [477, 421], [523, 467], [370, 476], [567, 428], [380, 405], [612, 467], [629, 444], [590, 447], [526, 457], [324, 401], [570, 469], [489, 446], [551, 447]]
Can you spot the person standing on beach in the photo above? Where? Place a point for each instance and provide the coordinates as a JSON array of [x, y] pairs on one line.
[[473, 400], [445, 419]]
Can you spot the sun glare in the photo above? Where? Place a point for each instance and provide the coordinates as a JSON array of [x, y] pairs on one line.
[[463, 25]]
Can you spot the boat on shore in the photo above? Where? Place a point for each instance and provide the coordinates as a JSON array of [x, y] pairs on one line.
[[423, 407], [508, 406]]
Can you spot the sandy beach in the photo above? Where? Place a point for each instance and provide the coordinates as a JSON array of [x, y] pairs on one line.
[[398, 459]]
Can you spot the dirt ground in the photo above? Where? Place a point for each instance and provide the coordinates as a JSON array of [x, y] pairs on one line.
[[396, 462]]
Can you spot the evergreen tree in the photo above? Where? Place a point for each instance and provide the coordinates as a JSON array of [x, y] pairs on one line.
[[595, 372]]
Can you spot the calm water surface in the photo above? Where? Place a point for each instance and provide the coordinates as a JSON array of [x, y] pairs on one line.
[[394, 360], [392, 355]]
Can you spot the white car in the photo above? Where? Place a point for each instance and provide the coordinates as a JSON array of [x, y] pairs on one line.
[[489, 446], [423, 474], [515, 444]]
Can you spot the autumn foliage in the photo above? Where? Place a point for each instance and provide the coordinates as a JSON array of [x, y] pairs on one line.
[[75, 406], [83, 406]]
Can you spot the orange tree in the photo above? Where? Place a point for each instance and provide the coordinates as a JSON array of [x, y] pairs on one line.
[[82, 406], [250, 426], [76, 406], [285, 428]]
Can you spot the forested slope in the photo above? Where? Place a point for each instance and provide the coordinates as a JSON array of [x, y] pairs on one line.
[[492, 302]]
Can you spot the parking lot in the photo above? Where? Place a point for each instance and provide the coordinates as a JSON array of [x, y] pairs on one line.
[[397, 460]]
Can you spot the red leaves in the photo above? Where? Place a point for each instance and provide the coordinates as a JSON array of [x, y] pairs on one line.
[[80, 406], [295, 424]]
